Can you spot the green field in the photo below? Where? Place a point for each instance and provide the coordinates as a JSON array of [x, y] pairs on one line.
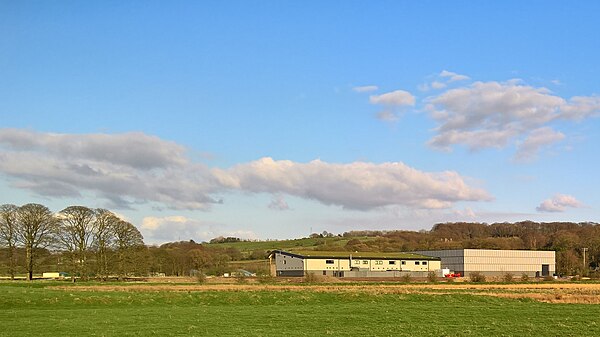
[[36, 310], [295, 244]]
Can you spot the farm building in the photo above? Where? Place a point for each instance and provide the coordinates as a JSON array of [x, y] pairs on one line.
[[496, 262], [349, 264]]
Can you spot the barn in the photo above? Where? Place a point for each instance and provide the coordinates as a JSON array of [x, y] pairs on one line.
[[491, 262], [352, 264]]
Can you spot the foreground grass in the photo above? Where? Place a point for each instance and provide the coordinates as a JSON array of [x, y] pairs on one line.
[[35, 310]]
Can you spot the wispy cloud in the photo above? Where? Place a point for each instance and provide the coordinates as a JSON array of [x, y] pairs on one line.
[[387, 116], [393, 103], [394, 98], [366, 88], [442, 80], [278, 203], [537, 139], [559, 203], [452, 76]]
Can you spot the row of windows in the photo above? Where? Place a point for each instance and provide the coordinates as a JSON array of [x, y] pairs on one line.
[[377, 262], [391, 262]]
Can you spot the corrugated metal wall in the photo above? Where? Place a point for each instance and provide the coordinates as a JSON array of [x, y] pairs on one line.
[[495, 262]]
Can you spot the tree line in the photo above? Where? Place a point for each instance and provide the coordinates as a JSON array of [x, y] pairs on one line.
[[87, 242], [95, 243], [82, 240]]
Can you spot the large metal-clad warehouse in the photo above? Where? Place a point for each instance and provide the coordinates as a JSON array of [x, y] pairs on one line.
[[496, 262]]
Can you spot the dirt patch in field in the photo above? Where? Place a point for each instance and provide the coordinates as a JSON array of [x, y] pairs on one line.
[[543, 292]]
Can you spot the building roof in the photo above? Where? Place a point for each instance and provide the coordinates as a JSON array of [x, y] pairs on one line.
[[356, 255]]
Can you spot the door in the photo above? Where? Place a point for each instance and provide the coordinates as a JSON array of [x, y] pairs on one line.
[[545, 270]]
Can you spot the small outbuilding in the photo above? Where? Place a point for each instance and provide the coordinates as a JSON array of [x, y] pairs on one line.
[[491, 262], [351, 264], [54, 275]]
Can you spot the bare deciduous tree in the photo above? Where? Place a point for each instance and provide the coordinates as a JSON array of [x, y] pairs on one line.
[[104, 236], [36, 227], [8, 234], [127, 237], [77, 227]]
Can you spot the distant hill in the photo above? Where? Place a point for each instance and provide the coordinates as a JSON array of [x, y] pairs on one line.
[[325, 243]]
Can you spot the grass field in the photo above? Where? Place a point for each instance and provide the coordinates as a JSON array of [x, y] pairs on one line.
[[88, 309], [291, 245]]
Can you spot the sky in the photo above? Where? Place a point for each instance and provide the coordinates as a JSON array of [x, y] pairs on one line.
[[272, 120]]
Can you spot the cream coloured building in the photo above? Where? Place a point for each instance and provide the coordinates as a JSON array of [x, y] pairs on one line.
[[351, 264], [492, 262]]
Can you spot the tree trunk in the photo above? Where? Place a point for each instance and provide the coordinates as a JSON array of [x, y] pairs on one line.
[[29, 264], [11, 261]]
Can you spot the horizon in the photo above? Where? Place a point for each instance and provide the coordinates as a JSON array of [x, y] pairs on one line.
[[268, 120]]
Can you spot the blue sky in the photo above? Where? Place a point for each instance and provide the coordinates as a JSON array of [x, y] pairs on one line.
[[271, 119]]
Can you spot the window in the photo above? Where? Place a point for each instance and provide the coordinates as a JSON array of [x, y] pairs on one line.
[[324, 273], [329, 261], [424, 263], [403, 262], [378, 262], [365, 262], [284, 262], [417, 263], [392, 262]]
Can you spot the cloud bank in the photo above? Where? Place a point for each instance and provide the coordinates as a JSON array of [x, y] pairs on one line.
[[125, 169], [133, 168], [356, 185]]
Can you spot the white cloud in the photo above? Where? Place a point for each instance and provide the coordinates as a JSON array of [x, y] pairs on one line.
[[394, 98], [475, 140], [124, 169], [393, 103], [538, 138], [558, 203], [132, 149], [176, 228], [356, 185], [453, 77], [495, 114], [442, 80], [581, 107], [144, 174], [366, 88]]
